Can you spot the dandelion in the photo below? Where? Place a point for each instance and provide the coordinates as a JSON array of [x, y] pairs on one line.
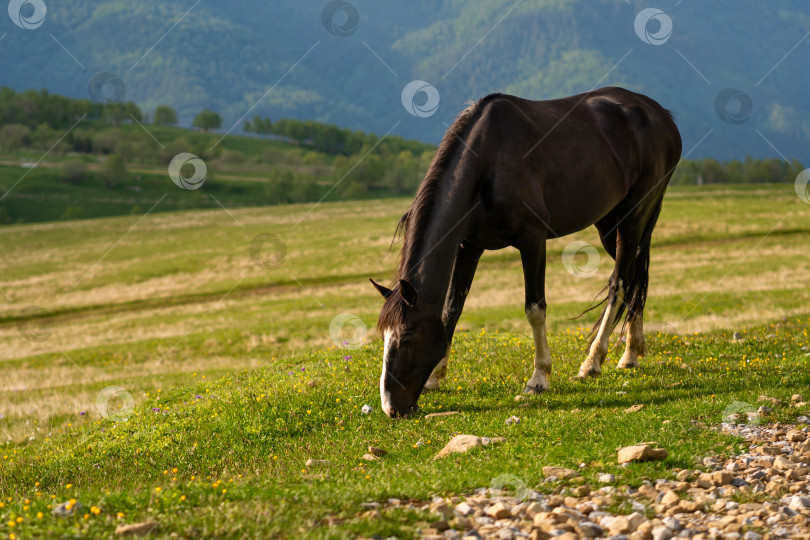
[[95, 510], [158, 489]]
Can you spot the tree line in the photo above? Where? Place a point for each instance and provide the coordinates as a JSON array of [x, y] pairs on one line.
[[362, 162], [748, 171], [329, 138]]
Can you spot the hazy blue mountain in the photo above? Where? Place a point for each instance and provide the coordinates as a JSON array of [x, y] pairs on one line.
[[229, 56]]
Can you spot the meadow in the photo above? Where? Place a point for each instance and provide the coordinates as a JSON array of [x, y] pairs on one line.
[[214, 325]]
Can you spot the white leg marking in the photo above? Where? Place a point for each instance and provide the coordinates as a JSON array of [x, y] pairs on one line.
[[439, 372], [635, 344], [385, 397], [542, 354], [593, 364]]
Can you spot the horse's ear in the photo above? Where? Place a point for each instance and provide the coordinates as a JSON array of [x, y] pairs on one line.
[[408, 292], [384, 291]]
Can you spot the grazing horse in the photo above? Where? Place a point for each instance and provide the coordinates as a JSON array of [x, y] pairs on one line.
[[514, 172]]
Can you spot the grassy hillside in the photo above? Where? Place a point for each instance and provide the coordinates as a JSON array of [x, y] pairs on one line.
[[281, 60], [72, 179], [226, 352]]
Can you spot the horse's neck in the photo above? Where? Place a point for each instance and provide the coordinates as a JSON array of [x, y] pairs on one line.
[[430, 269]]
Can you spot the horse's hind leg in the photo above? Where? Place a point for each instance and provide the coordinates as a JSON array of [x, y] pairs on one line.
[[463, 272], [627, 288], [592, 366], [533, 258], [636, 345], [637, 292]]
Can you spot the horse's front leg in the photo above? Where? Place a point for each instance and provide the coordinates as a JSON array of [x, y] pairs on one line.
[[463, 272], [534, 274]]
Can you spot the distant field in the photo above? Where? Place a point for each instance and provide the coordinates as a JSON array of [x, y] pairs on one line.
[[150, 302], [167, 295]]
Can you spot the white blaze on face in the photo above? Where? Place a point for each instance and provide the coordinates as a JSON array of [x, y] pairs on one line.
[[385, 397]]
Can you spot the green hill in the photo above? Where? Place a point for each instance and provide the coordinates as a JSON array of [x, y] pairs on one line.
[[279, 59]]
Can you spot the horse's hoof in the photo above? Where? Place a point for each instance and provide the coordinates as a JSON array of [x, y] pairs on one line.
[[627, 364], [583, 375], [532, 390]]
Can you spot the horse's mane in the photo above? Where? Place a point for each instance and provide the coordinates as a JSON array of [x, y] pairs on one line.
[[412, 225]]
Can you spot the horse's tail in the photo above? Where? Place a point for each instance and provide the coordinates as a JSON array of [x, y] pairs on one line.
[[638, 281], [636, 297]]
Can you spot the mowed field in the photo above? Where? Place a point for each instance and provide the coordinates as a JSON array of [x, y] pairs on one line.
[[217, 324]]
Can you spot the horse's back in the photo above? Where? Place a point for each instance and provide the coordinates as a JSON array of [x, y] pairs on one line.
[[572, 160]]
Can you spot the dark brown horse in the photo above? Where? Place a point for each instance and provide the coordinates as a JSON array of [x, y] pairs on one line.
[[514, 172]]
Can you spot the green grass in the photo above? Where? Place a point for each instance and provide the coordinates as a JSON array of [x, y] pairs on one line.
[[174, 308], [239, 442]]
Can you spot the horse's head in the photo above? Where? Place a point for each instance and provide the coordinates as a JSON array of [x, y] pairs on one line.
[[415, 342]]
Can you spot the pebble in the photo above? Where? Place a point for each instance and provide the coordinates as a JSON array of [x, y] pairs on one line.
[[66, 509], [559, 472], [136, 529], [512, 420], [606, 478], [366, 409], [641, 452], [440, 414]]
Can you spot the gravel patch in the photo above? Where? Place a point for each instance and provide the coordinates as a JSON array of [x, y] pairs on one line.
[[773, 475]]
